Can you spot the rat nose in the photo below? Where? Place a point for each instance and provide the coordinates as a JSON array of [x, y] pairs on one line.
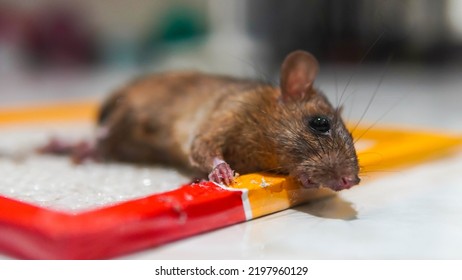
[[345, 182]]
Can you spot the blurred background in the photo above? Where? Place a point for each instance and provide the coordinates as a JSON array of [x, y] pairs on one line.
[[59, 50], [63, 34]]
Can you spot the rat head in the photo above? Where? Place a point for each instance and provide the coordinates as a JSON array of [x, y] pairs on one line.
[[313, 141]]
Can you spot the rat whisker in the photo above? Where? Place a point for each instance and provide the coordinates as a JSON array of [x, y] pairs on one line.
[[370, 153], [262, 76], [378, 120], [320, 145], [374, 94], [277, 170], [360, 62], [380, 171], [337, 101], [350, 110]]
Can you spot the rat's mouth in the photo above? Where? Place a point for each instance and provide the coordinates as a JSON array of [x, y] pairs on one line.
[[307, 182]]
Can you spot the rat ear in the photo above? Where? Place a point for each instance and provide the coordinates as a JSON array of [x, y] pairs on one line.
[[298, 72]]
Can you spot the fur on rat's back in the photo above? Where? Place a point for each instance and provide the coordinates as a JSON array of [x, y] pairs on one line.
[[155, 118]]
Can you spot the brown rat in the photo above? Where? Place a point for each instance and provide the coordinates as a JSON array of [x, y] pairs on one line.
[[214, 124]]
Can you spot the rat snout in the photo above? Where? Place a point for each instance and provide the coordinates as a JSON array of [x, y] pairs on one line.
[[328, 172], [334, 183]]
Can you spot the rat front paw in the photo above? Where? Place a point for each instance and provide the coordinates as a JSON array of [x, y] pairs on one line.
[[221, 173]]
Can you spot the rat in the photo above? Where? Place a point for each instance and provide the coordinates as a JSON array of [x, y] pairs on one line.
[[217, 125]]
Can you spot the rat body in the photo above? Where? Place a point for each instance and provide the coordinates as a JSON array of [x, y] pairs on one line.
[[214, 124]]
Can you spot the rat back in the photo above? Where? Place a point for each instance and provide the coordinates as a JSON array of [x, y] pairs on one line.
[[155, 118]]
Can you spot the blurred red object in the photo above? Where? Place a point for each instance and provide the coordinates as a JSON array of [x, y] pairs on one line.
[[59, 37]]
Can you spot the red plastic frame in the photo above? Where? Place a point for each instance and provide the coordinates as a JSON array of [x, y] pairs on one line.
[[29, 231]]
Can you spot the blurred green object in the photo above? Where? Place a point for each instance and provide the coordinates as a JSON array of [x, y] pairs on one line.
[[181, 27], [181, 24]]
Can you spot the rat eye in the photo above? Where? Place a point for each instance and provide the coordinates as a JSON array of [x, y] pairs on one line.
[[320, 124]]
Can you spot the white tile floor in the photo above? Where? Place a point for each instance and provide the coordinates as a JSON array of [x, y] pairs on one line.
[[411, 213]]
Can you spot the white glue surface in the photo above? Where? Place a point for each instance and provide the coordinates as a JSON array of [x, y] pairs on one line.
[[54, 182]]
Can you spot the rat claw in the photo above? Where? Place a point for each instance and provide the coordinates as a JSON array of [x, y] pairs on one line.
[[222, 174], [213, 176]]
